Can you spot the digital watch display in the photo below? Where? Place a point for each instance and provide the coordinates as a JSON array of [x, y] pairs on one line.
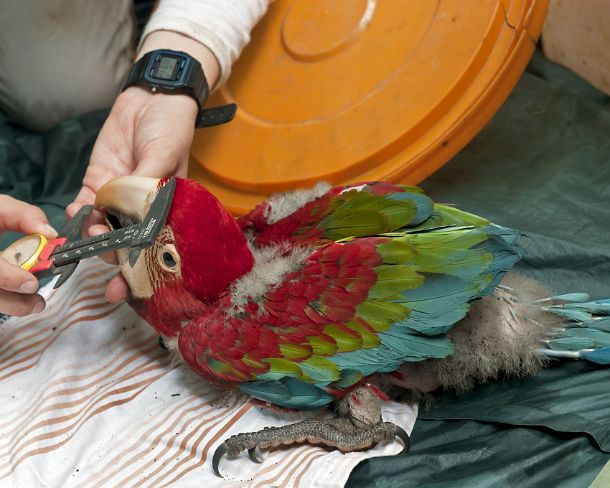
[[176, 72], [167, 67]]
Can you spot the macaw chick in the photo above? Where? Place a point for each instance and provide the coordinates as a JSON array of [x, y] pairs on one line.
[[325, 296]]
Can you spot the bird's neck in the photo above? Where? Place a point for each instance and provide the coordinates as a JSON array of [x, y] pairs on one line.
[[170, 308]]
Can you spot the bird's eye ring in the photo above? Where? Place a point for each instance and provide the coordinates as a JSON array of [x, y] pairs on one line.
[[169, 260]]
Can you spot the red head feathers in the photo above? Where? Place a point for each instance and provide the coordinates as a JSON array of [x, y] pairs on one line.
[[212, 247]]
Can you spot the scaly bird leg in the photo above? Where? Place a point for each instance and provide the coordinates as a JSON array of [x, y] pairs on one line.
[[358, 426]]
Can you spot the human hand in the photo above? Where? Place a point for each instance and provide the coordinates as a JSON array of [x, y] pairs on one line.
[[17, 286], [147, 134]]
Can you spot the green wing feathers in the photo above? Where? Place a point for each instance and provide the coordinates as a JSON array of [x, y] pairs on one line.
[[360, 213], [353, 211]]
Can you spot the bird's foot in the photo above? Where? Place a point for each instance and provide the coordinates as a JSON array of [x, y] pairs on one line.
[[343, 432]]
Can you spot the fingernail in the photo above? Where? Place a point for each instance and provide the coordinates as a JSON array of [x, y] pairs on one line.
[[96, 231], [39, 307], [49, 231], [29, 287]]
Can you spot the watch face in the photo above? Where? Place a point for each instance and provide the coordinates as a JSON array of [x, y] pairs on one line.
[[167, 67]]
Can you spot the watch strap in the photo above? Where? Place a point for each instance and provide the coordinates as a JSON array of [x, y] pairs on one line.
[[197, 89], [222, 114], [136, 73]]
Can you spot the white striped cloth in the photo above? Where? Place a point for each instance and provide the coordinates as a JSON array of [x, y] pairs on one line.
[[89, 399]]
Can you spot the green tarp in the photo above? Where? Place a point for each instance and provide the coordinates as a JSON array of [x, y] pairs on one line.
[[542, 166], [46, 169]]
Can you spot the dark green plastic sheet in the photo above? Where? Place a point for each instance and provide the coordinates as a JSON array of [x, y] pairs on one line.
[[542, 166], [46, 169]]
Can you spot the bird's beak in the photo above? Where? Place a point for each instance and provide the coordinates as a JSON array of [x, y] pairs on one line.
[[127, 199]]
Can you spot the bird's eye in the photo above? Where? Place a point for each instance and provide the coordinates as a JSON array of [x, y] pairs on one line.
[[169, 260]]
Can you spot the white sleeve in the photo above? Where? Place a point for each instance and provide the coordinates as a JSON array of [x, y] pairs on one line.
[[223, 26]]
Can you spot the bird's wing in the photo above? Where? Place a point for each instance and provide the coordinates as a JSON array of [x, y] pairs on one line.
[[350, 309], [335, 213]]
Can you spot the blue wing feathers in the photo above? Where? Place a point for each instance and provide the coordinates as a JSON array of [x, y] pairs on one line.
[[288, 392], [423, 203]]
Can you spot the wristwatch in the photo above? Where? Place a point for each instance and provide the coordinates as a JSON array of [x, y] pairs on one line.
[[168, 71]]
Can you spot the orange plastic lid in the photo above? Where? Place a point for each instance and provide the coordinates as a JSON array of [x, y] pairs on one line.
[[353, 90]]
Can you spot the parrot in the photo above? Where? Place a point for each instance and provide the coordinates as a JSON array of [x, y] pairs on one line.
[[341, 297]]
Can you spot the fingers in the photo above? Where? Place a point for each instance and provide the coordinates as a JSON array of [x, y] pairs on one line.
[[19, 305], [105, 164], [13, 278], [18, 287], [22, 217], [117, 289], [97, 175], [96, 230], [17, 291]]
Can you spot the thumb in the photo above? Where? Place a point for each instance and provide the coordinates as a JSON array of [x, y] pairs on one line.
[[22, 217], [160, 167]]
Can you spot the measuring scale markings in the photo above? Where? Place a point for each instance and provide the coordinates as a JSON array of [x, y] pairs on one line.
[[134, 236], [109, 241]]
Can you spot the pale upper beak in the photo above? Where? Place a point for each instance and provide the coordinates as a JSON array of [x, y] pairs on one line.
[[128, 198]]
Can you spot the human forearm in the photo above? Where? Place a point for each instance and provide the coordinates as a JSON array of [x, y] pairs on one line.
[[222, 26], [178, 42]]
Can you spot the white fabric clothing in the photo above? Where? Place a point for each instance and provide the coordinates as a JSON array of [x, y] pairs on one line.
[[59, 59], [223, 26]]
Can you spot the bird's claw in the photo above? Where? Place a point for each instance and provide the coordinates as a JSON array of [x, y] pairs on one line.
[[233, 446], [254, 453], [250, 441], [404, 437], [220, 451]]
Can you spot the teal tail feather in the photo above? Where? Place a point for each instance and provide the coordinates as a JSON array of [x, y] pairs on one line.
[[585, 328]]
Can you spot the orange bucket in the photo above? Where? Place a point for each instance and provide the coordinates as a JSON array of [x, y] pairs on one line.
[[354, 90]]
